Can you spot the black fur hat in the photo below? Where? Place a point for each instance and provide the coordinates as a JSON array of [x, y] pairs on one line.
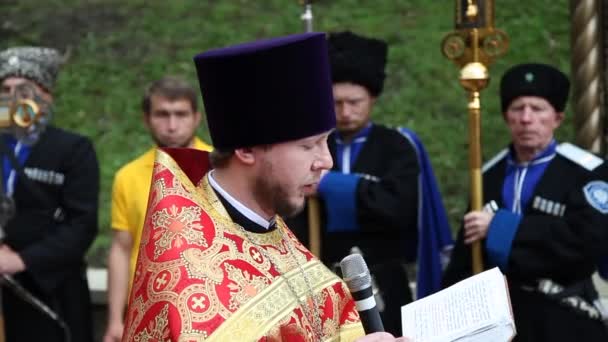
[[534, 79], [358, 59]]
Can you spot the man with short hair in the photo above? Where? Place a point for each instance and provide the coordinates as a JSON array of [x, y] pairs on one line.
[[373, 196], [170, 113], [544, 224], [51, 178], [218, 262]]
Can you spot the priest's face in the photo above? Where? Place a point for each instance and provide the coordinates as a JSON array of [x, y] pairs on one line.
[[289, 172], [353, 104], [532, 121], [172, 123]]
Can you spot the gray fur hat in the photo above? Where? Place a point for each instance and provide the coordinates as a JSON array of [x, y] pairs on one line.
[[39, 64]]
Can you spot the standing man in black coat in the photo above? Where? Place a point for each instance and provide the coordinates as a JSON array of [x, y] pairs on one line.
[[370, 196], [544, 224], [53, 181]]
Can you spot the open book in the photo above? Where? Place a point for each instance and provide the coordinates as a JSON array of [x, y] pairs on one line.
[[475, 309]]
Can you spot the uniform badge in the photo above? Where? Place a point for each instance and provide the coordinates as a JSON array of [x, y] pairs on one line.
[[596, 193]]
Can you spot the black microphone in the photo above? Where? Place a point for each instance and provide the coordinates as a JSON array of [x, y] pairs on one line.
[[359, 281]]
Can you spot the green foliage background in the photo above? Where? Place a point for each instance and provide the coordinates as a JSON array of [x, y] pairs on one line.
[[116, 47]]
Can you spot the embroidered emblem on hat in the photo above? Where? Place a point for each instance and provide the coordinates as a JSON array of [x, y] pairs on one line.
[[14, 60], [596, 193], [529, 77]]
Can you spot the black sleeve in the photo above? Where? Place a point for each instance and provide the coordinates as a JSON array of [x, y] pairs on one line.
[[48, 259], [565, 249], [460, 265], [391, 202]]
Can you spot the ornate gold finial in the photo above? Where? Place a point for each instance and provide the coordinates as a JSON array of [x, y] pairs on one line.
[[473, 46], [472, 10], [474, 76]]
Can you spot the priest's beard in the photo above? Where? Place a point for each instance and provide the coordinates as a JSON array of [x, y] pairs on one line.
[[273, 194]]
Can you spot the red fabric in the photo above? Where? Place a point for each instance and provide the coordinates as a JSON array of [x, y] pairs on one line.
[[195, 163], [192, 276]]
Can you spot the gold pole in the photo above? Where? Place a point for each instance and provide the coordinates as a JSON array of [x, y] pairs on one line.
[[587, 73], [474, 77], [475, 169], [314, 216], [473, 46], [314, 226], [2, 327], [2, 331]]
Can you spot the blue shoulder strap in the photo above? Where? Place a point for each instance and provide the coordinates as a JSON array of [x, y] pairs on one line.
[[434, 234]]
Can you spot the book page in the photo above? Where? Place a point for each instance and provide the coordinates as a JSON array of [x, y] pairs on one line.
[[476, 304]]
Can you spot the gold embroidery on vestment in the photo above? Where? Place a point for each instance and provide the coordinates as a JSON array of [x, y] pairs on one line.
[[257, 303]]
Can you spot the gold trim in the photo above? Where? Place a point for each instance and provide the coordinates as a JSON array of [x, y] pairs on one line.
[[275, 304], [258, 316], [349, 332]]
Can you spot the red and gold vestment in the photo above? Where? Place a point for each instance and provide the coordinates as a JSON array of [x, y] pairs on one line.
[[201, 276]]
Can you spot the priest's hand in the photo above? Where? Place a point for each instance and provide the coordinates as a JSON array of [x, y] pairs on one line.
[[10, 261], [382, 337], [476, 224]]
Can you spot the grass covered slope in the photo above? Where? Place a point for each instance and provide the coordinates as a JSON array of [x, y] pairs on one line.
[[117, 47]]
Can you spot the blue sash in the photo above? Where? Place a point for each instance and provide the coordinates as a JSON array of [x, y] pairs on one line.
[[434, 234]]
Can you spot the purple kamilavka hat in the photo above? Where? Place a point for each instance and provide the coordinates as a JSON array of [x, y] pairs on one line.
[[267, 91]]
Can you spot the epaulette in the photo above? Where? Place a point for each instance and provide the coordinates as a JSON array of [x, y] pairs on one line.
[[579, 156], [498, 157]]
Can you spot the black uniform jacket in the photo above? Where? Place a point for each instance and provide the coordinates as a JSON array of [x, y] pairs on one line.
[[52, 233], [562, 245], [387, 205]]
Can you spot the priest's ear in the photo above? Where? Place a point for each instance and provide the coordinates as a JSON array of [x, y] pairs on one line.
[[245, 155], [251, 155]]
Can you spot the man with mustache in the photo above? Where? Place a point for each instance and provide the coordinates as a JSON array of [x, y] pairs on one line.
[[217, 261], [373, 196], [53, 183], [544, 223]]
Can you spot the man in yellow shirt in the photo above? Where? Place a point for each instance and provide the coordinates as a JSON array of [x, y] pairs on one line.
[[170, 112]]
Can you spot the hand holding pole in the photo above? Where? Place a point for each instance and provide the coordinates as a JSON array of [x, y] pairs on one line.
[[473, 47]]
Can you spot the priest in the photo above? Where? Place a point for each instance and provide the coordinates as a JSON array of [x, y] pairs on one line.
[[216, 260]]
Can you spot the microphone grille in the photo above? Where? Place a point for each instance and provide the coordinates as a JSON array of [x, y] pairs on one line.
[[355, 272]]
